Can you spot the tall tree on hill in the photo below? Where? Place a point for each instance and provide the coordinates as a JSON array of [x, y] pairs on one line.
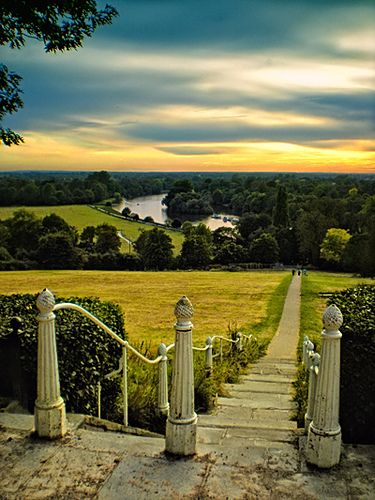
[[281, 211], [155, 248], [60, 26]]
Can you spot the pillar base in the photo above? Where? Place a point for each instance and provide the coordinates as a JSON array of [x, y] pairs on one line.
[[50, 422], [323, 449], [181, 439]]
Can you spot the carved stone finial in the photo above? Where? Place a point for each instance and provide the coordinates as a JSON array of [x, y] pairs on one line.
[[183, 310], [162, 350], [315, 360], [309, 346], [332, 318], [45, 301]]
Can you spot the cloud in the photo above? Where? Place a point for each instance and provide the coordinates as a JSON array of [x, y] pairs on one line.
[[184, 77], [193, 150]]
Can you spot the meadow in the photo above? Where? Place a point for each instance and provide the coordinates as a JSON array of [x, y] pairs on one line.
[[81, 216], [252, 301]]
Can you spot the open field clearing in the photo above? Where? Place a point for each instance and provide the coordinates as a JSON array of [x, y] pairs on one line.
[[82, 215], [313, 306], [253, 300]]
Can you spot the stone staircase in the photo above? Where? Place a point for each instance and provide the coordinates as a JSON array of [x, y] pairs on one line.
[[256, 419], [257, 416]]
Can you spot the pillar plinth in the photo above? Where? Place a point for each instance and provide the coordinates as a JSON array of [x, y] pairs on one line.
[[181, 431]]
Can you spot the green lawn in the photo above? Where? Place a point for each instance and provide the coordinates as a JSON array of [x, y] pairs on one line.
[[313, 306], [82, 215], [252, 300]]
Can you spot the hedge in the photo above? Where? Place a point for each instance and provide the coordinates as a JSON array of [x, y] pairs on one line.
[[357, 389], [85, 352]]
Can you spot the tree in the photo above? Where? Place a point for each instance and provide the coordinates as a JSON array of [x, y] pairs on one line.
[[126, 212], [223, 235], [281, 211], [54, 224], [287, 241], [107, 239], [176, 223], [155, 248], [249, 223], [311, 228], [57, 251], [25, 230], [196, 251], [333, 245], [60, 26], [264, 249], [229, 252], [87, 238], [148, 218]]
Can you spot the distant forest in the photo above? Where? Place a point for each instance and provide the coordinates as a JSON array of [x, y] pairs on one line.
[[324, 221]]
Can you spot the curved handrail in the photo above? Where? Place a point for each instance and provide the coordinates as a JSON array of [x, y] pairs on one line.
[[119, 340]]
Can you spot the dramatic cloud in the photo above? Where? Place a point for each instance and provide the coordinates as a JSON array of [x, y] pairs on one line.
[[192, 85]]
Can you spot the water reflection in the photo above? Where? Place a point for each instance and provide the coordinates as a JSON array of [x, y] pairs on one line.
[[151, 206]]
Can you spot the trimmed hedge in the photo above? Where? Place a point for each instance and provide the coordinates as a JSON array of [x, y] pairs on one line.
[[85, 352], [357, 388]]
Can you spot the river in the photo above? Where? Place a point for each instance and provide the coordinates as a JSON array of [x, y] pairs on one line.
[[151, 206]]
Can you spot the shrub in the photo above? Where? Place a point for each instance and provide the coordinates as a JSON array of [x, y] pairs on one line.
[[85, 352], [357, 392]]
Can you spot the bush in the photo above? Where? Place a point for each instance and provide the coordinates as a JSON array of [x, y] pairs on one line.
[[85, 352], [357, 392]]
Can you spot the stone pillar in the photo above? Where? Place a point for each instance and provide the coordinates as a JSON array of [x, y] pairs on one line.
[[324, 435], [181, 431], [50, 420], [163, 404]]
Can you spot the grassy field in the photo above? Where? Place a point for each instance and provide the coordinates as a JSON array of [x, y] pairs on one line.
[[82, 215], [313, 306], [252, 300]]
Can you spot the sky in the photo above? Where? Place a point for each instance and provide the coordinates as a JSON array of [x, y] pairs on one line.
[[204, 85]]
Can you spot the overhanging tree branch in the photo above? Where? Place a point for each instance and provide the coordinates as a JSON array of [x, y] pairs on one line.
[[60, 26]]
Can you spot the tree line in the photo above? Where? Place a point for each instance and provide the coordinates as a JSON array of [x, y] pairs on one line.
[[29, 242]]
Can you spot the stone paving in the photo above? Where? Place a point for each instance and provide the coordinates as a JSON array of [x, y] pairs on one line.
[[248, 450]]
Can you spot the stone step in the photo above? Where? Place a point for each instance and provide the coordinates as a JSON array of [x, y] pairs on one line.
[[227, 421], [235, 435], [283, 361], [258, 386], [258, 400], [25, 422], [271, 378], [266, 369], [281, 457]]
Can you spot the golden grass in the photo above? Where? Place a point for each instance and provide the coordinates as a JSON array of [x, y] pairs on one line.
[[148, 298], [81, 216]]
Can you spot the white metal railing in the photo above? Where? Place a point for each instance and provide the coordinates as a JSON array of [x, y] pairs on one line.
[[161, 360], [123, 365]]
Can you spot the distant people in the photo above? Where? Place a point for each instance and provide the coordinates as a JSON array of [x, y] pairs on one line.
[[293, 272], [299, 272]]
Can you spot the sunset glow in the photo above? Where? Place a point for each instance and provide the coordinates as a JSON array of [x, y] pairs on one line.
[[276, 92]]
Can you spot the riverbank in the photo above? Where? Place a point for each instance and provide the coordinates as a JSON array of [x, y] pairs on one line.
[[151, 206]]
